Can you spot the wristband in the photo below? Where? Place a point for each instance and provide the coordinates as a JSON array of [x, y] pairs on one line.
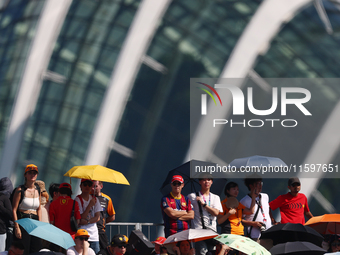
[[204, 205]]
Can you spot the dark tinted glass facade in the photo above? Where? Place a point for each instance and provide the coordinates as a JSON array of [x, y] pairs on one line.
[[194, 39]]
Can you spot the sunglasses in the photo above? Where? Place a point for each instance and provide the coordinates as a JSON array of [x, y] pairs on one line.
[[83, 238], [87, 184], [32, 172], [176, 184], [121, 246], [295, 184]]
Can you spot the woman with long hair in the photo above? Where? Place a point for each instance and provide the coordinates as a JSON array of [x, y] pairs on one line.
[[26, 204]]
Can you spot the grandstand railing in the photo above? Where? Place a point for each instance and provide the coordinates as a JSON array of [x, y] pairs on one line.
[[150, 230]]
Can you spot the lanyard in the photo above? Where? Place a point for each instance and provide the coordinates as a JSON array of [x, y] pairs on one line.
[[204, 198], [259, 204]]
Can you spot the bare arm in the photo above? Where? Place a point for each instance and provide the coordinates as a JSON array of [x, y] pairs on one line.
[[189, 216], [88, 208], [39, 208], [15, 205], [251, 209], [212, 211], [254, 224], [223, 218], [224, 250], [272, 218], [110, 218], [309, 215], [173, 213]]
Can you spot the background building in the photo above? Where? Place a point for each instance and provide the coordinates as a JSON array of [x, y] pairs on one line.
[[107, 82]]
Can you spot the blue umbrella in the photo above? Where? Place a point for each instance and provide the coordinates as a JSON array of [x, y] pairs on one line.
[[47, 232]]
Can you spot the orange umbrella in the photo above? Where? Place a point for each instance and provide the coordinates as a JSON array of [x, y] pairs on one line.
[[325, 224]]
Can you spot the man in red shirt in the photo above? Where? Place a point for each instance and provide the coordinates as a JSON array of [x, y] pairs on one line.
[[61, 208], [293, 205]]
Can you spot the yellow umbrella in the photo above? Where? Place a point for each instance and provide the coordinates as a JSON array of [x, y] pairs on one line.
[[97, 173]]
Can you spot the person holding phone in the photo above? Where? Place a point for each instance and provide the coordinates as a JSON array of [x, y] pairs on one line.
[[89, 208]]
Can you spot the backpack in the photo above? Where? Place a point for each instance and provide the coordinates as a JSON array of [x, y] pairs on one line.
[[23, 189]]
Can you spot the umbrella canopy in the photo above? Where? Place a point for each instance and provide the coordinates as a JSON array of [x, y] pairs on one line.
[[297, 248], [97, 173], [243, 244], [193, 235], [46, 253], [47, 232], [327, 224], [258, 161], [191, 184], [291, 232]]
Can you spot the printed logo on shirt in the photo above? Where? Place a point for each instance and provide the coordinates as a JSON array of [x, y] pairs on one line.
[[184, 204], [295, 206], [63, 201], [164, 204]]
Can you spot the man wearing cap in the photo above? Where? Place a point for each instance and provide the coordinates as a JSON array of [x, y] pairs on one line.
[[82, 246], [61, 209], [158, 244], [106, 215], [207, 206], [117, 246], [293, 205], [176, 208], [90, 209]]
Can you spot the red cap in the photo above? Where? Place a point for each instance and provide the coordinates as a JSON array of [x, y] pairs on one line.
[[65, 185], [177, 178], [160, 240], [86, 180]]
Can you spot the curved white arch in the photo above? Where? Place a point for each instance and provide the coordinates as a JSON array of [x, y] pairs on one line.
[[255, 40], [324, 149], [48, 28], [142, 30]]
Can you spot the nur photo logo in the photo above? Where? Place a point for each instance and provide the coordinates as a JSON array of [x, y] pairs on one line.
[[241, 103], [204, 97]]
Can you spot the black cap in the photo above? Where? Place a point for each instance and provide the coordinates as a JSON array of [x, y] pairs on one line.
[[293, 180], [119, 239]]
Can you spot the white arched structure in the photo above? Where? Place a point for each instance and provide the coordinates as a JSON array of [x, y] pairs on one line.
[[48, 28], [141, 32], [255, 40]]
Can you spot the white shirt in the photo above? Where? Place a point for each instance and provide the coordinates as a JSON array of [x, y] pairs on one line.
[[92, 227], [213, 201], [72, 251], [246, 201]]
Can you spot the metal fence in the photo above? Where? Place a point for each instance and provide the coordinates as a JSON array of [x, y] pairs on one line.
[[150, 230]]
